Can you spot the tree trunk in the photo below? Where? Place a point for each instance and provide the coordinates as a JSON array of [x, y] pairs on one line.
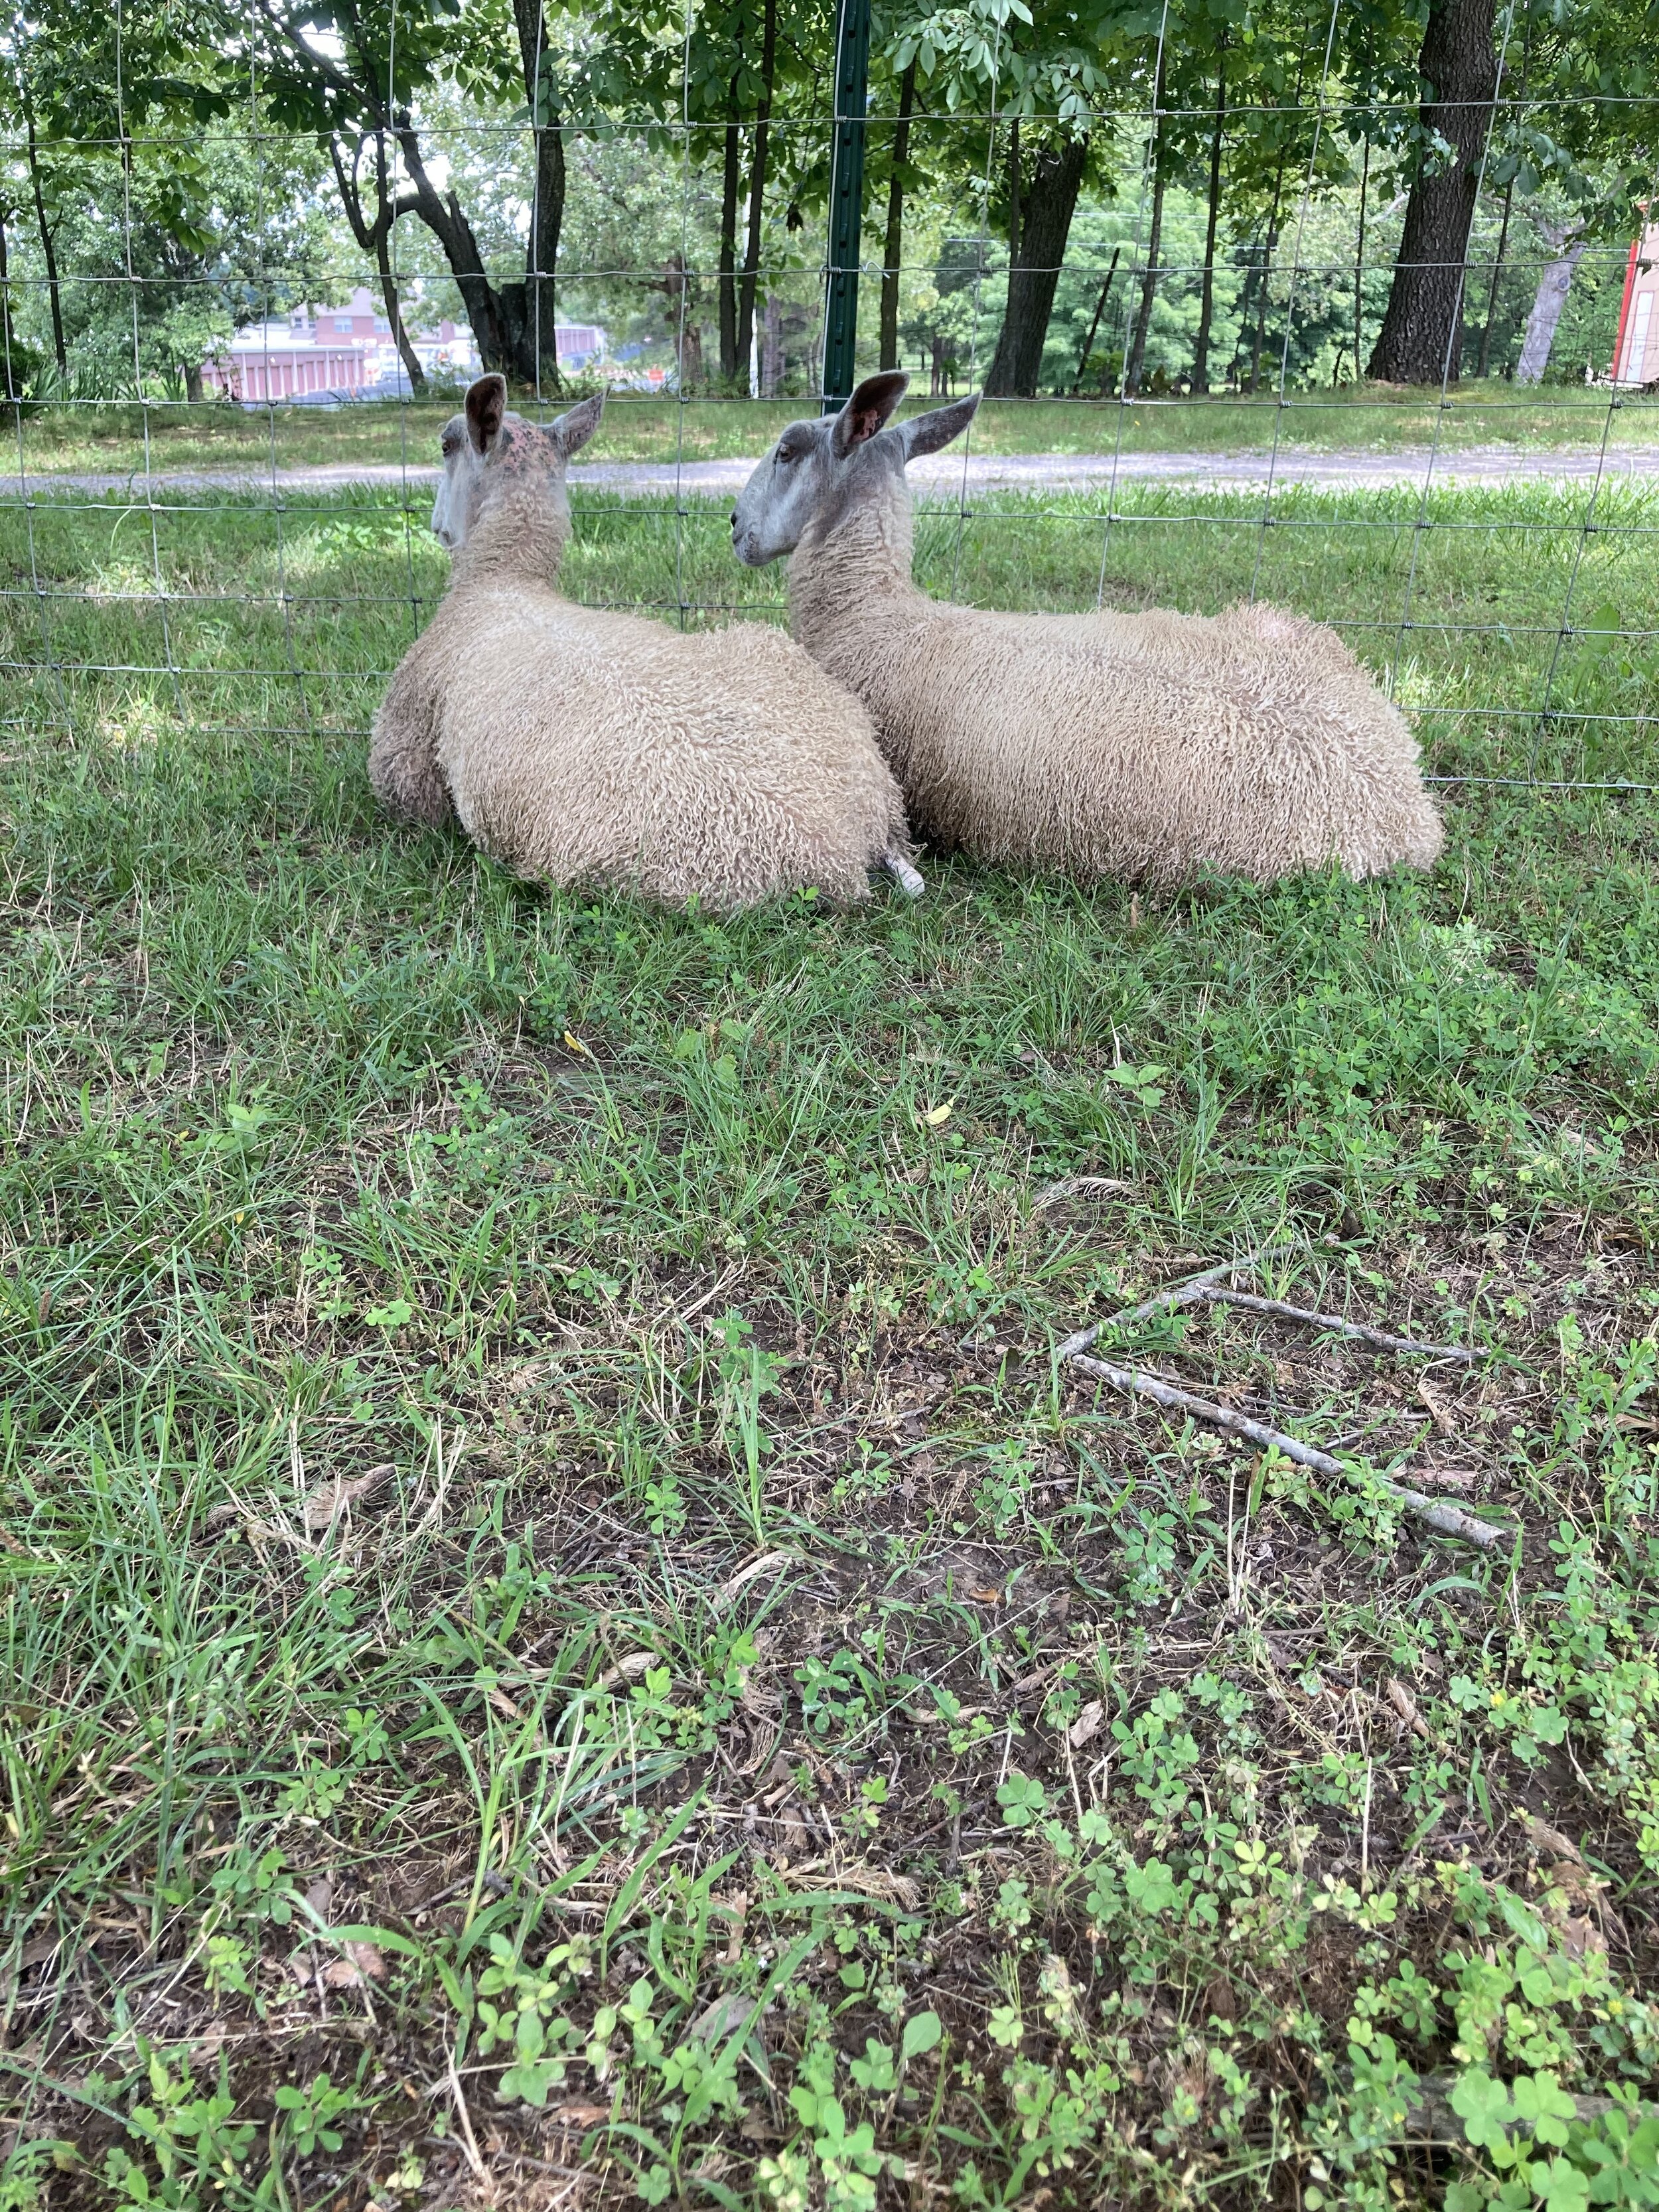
[[1359, 269], [1552, 297], [1263, 294], [1483, 366], [1013, 193], [406, 353], [679, 291], [728, 249], [771, 346], [893, 251], [1137, 361], [1418, 341], [11, 379], [530, 307], [1206, 304], [374, 238], [757, 190], [48, 250], [386, 217], [1050, 202], [1100, 309], [499, 333]]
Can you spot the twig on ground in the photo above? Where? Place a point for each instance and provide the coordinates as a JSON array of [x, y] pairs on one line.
[[1450, 1519], [1358, 1329], [470, 2141], [1175, 1294]]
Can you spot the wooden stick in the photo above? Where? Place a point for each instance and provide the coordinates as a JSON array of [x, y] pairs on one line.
[[1450, 1519], [1178, 1294], [1224, 1295]]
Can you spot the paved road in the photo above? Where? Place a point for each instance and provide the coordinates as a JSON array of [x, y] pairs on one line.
[[940, 475]]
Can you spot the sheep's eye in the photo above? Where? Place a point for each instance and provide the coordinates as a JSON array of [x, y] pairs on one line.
[[785, 454], [451, 446]]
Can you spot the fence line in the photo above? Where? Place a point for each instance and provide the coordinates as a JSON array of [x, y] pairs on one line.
[[1552, 680]]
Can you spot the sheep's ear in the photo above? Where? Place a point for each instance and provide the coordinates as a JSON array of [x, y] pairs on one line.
[[486, 406], [925, 433], [867, 411], [572, 431]]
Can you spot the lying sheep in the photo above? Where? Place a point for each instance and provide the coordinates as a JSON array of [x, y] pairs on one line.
[[585, 746], [1154, 747]]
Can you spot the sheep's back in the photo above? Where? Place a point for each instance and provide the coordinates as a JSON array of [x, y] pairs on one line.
[[596, 746], [1153, 746]]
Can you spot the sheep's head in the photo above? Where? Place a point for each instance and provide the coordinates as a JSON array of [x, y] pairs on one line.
[[818, 471], [486, 448]]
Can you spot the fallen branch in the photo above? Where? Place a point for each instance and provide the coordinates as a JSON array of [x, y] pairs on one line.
[[1178, 1294], [1450, 1519], [1358, 1329]]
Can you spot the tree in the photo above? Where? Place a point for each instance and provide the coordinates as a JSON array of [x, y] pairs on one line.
[[1207, 308], [746, 61], [1553, 283], [1417, 342], [1047, 69], [373, 234], [898, 180], [1050, 202], [76, 84], [351, 74]]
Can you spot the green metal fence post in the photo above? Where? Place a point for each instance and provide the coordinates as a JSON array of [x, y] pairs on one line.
[[841, 319]]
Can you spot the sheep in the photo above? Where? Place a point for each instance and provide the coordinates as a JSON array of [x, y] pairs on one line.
[[579, 746], [1155, 747]]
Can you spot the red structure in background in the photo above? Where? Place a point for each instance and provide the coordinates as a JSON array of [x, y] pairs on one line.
[[1636, 349], [341, 350]]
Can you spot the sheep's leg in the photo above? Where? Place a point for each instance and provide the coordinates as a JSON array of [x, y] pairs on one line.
[[907, 877]]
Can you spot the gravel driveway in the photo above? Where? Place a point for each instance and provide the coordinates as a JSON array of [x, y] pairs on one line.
[[940, 475]]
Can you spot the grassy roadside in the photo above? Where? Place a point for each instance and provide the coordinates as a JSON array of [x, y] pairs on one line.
[[564, 1638], [1371, 418]]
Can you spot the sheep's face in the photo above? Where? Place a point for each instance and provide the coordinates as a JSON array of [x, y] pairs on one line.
[[485, 447], [820, 472], [457, 486]]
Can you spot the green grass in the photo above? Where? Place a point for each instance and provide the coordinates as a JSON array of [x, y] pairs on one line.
[[756, 1730], [1367, 418]]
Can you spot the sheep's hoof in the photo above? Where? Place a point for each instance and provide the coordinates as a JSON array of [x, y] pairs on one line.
[[908, 878]]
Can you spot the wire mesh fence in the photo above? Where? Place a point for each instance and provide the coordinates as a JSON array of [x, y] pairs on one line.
[[1172, 264]]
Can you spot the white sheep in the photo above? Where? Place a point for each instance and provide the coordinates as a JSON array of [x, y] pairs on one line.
[[1156, 747], [581, 745]]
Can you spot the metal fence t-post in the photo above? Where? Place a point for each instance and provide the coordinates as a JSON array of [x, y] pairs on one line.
[[845, 200]]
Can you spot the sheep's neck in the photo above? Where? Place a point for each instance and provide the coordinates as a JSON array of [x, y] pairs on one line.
[[520, 537], [849, 585]]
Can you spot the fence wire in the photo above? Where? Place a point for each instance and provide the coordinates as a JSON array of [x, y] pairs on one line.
[[1504, 588]]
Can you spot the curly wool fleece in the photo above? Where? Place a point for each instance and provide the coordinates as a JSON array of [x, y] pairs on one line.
[[579, 745], [1156, 747]]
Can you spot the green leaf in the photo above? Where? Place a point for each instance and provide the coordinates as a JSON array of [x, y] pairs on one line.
[[921, 2033], [874, 2072], [1561, 2185], [1022, 1801], [1484, 2106], [1542, 2104], [1599, 630]]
